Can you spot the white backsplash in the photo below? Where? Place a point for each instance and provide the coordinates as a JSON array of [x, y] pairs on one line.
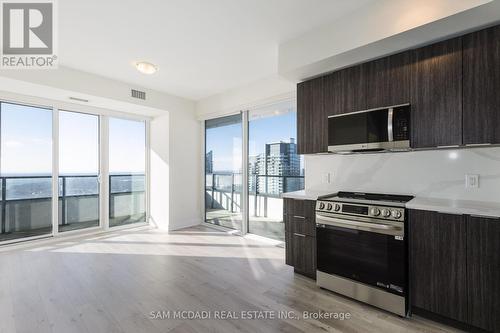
[[433, 173]]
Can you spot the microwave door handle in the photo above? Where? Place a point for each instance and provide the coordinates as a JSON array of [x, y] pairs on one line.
[[390, 116], [356, 225]]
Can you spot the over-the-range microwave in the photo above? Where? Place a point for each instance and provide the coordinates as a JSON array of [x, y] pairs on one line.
[[385, 128]]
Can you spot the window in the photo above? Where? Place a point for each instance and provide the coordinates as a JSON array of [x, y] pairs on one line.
[[26, 171], [127, 171], [78, 171], [36, 200], [223, 171], [273, 167]]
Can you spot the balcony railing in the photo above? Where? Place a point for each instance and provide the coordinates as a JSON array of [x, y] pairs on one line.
[[269, 186], [26, 201]]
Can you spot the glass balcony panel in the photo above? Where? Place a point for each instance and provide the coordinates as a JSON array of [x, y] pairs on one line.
[[127, 199]]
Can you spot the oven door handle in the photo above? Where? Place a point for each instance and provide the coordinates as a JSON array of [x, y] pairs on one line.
[[386, 229]]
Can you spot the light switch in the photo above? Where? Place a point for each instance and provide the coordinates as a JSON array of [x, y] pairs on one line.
[[471, 181]]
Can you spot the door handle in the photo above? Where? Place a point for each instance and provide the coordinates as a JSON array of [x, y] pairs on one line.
[[386, 229], [390, 134], [300, 235]]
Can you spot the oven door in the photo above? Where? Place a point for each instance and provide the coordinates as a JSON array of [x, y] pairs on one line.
[[370, 253]]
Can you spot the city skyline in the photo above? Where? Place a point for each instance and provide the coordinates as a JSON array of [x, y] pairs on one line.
[[225, 142]]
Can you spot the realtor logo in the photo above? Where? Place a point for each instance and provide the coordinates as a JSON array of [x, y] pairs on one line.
[[28, 30]]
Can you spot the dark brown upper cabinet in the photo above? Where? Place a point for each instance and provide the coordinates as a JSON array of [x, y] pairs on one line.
[[387, 80], [483, 272], [438, 259], [481, 64], [312, 126], [436, 95], [344, 91]]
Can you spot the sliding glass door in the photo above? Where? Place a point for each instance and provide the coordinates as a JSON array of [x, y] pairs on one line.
[[223, 171], [26, 171], [78, 171], [127, 171], [50, 171], [274, 167]]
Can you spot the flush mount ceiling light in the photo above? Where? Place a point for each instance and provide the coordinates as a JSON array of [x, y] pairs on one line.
[[146, 67]]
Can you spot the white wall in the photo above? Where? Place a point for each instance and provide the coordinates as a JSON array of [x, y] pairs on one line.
[[160, 171], [380, 28], [175, 170], [433, 174], [257, 94], [185, 167]]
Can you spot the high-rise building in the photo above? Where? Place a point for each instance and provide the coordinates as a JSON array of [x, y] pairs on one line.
[[209, 162], [279, 160]]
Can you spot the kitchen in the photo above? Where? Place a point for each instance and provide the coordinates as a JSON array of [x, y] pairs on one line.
[[399, 208]]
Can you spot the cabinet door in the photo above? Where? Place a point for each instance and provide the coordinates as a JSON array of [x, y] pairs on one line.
[[344, 91], [482, 86], [483, 271], [304, 254], [436, 95], [437, 246], [312, 130], [387, 81]]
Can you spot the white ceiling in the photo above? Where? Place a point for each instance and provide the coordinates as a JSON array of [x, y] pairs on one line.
[[202, 47]]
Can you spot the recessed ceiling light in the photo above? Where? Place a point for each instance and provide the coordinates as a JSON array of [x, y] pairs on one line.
[[146, 67]]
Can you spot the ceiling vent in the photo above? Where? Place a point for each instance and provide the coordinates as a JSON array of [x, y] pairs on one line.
[[138, 94]]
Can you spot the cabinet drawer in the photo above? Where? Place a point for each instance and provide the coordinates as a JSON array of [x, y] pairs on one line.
[[304, 208], [301, 225]]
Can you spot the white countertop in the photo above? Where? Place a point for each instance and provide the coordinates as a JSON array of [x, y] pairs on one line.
[[450, 206], [469, 207], [305, 194]]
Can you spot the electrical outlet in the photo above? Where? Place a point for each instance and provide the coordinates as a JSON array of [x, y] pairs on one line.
[[327, 178], [471, 181]]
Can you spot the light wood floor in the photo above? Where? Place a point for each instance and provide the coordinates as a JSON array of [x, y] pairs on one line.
[[112, 283]]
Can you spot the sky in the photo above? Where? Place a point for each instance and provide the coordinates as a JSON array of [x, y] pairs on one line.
[[226, 141], [26, 142]]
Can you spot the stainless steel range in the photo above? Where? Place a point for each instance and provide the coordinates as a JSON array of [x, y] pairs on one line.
[[361, 248]]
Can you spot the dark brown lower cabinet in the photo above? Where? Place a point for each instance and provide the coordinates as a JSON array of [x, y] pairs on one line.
[[300, 236], [483, 272], [304, 254], [455, 267], [438, 258]]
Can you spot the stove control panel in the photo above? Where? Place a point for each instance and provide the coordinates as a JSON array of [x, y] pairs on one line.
[[374, 211]]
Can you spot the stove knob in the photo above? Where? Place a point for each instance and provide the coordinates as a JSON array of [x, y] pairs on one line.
[[396, 214], [337, 207], [374, 211], [386, 212], [329, 207], [321, 205]]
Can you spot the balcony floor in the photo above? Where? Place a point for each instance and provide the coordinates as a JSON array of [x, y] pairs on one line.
[[112, 282], [263, 226]]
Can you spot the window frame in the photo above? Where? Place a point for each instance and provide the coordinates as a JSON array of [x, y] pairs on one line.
[[104, 116]]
